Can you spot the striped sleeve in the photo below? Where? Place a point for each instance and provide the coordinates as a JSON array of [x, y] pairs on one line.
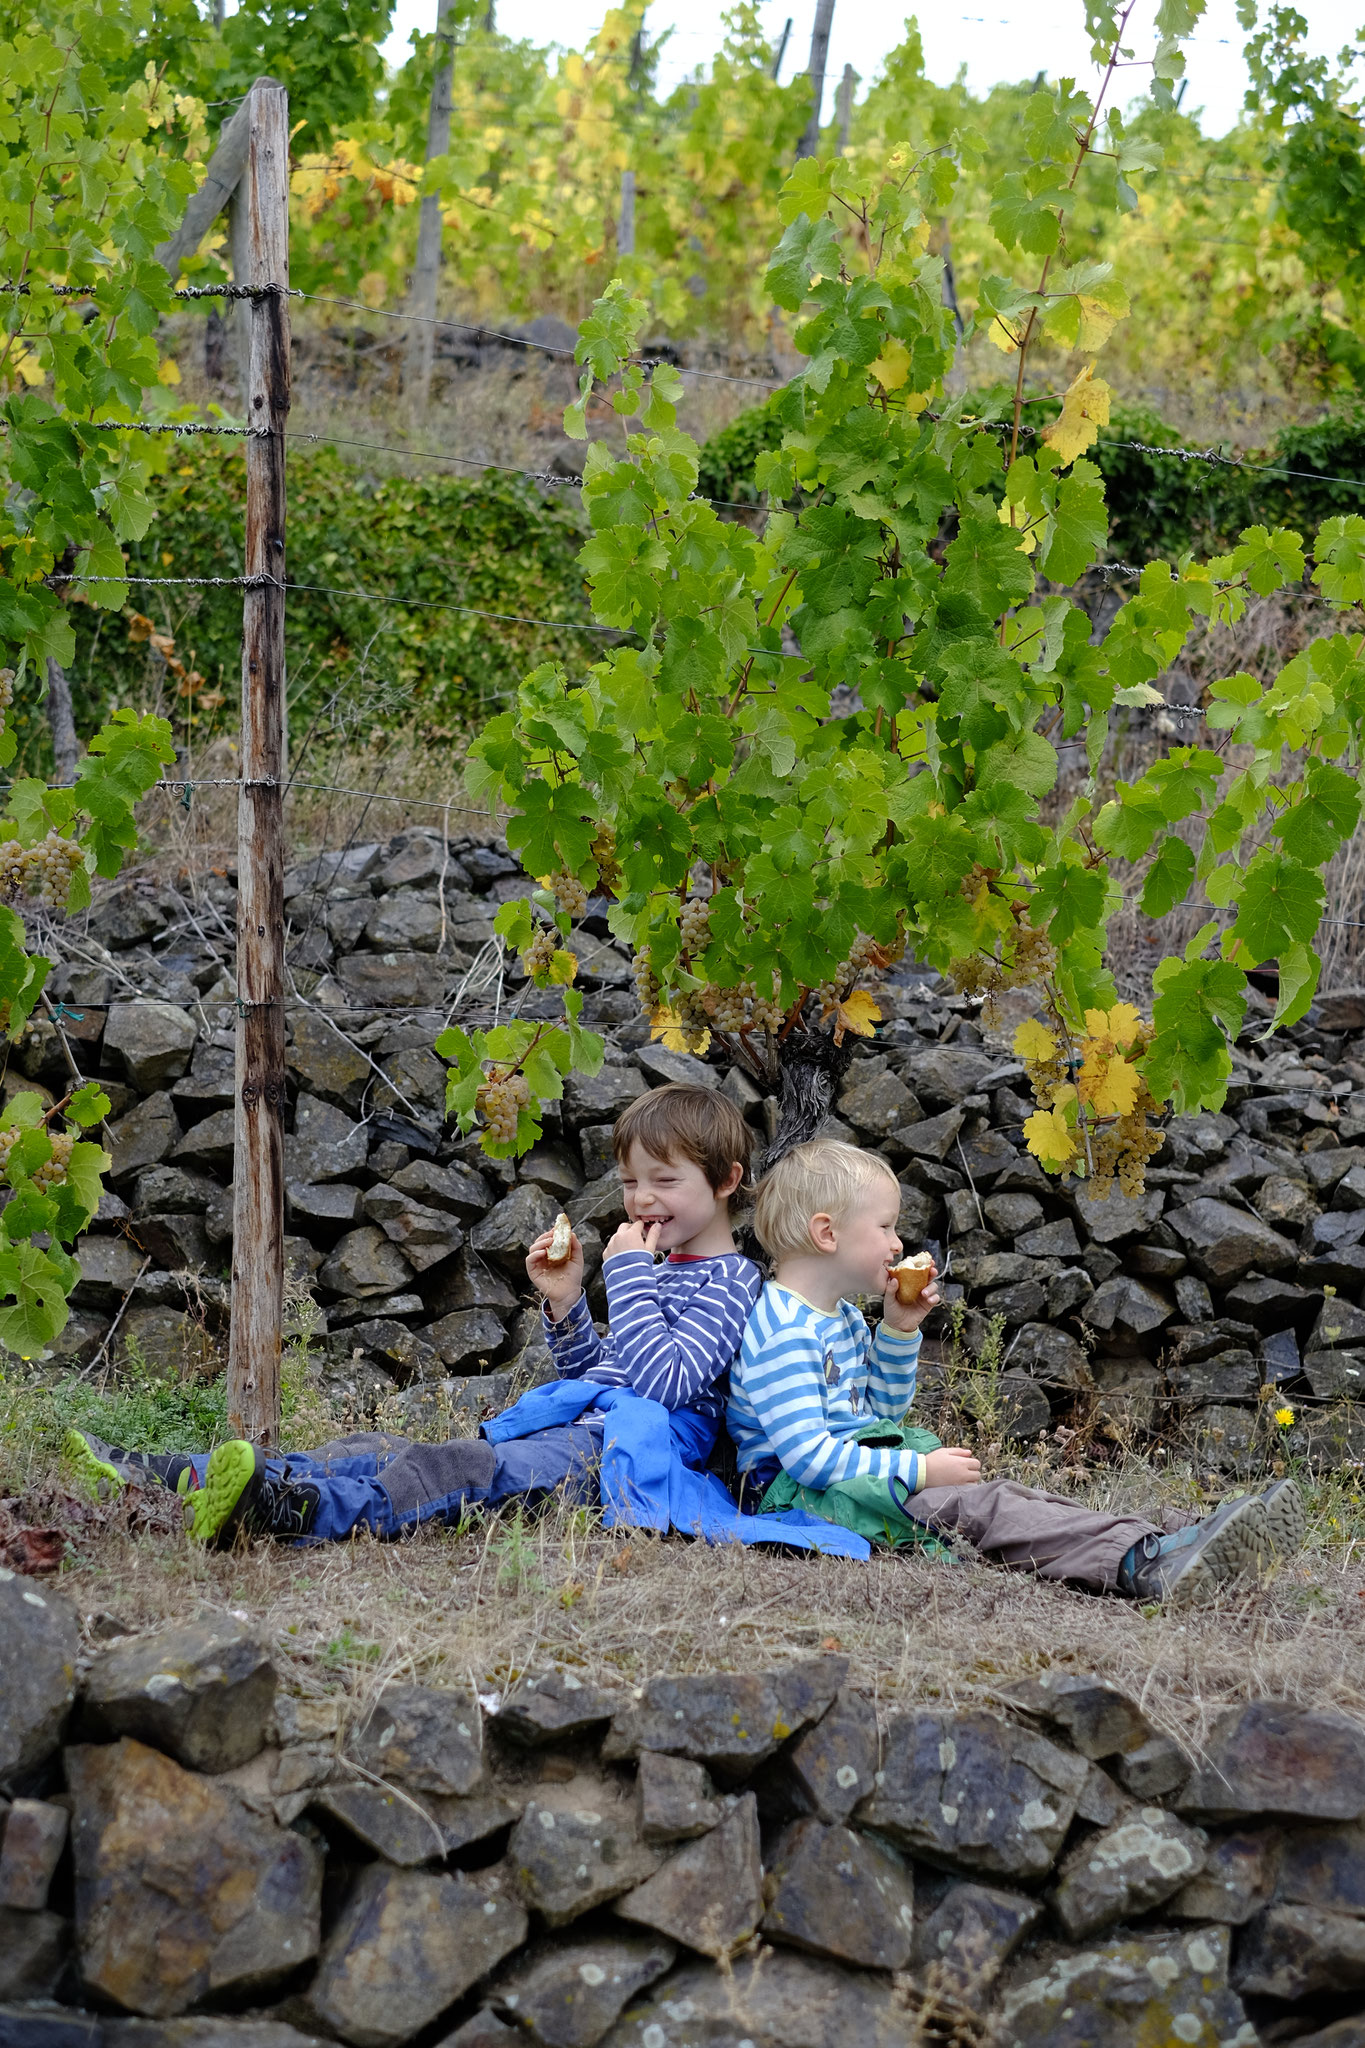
[[892, 1366], [781, 1375], [674, 1362], [574, 1343]]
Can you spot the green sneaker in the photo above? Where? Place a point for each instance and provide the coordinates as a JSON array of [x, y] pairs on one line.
[[81, 1461], [222, 1504]]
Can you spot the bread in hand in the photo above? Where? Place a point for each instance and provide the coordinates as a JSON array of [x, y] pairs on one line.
[[561, 1241], [912, 1277]]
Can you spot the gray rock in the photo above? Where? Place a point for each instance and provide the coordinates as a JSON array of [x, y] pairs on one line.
[[333, 1205], [1126, 1304], [1125, 1870], [410, 1828], [1340, 1325], [839, 1894], [553, 1168], [1001, 1269], [398, 978], [1275, 1759], [327, 1065], [1013, 1215], [1017, 1304], [1097, 1718], [424, 1236], [364, 1263], [458, 1189], [834, 1764], [974, 1793], [401, 1352], [424, 1738], [202, 1692], [124, 917], [677, 1799], [600, 1098], [1285, 1201], [1224, 1438], [970, 1936], [1053, 1241], [109, 1266], [211, 1082], [153, 1040], [175, 1244], [599, 963], [1155, 1769], [143, 1137], [405, 922], [709, 1895], [1293, 1952], [415, 1080], [1069, 1290], [933, 1137], [1336, 1375], [943, 1075], [468, 1334], [507, 1232], [1231, 1376], [1224, 1243], [209, 1143], [1050, 1355], [553, 1706], [205, 2031], [1155, 1261], [1323, 1867], [578, 1845], [34, 1837], [1193, 1299], [34, 1948], [726, 1720], [332, 870], [876, 1103], [1126, 1994], [569, 1995], [171, 1191], [1119, 1218], [420, 858], [1237, 1880], [778, 2000], [38, 1647], [407, 1944], [594, 1142], [168, 1343], [180, 1890], [467, 1282], [660, 1066], [325, 1144]]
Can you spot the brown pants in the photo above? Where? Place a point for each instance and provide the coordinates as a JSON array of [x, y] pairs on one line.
[[1030, 1531]]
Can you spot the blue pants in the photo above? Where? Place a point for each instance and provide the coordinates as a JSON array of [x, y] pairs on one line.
[[390, 1485]]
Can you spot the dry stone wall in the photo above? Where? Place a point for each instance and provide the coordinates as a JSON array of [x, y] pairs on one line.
[[194, 1856], [1231, 1287]]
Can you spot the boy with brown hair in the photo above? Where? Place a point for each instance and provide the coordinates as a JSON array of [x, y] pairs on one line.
[[683, 1154], [817, 1406]]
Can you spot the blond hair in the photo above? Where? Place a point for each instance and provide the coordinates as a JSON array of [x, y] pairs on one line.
[[822, 1178]]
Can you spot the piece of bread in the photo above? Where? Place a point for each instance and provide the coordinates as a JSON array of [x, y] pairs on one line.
[[912, 1277], [561, 1242]]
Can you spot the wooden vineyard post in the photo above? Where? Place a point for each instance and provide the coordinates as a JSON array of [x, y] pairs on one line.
[[815, 71], [427, 269], [258, 1134]]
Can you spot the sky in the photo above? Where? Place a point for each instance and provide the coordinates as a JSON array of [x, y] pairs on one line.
[[1003, 41]]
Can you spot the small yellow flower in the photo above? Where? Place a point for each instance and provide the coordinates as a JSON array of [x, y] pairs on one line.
[[1285, 1417]]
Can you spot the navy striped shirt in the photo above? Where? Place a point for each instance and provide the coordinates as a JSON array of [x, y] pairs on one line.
[[807, 1382], [674, 1329]]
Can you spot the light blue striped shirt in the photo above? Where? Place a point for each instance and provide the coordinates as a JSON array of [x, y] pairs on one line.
[[674, 1328], [808, 1380]]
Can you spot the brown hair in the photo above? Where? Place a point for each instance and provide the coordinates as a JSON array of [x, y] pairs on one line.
[[680, 1121], [821, 1178]]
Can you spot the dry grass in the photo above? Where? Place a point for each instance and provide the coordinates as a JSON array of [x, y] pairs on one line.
[[512, 1593]]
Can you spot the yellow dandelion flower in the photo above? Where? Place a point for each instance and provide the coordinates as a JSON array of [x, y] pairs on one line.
[[1285, 1417]]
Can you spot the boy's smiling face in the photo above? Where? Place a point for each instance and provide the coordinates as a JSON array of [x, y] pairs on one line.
[[867, 1241], [673, 1194]]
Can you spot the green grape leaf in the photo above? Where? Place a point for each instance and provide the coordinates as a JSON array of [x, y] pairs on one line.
[[1326, 813], [515, 924], [1025, 759], [1127, 825], [807, 250], [1197, 1007], [1169, 878], [1068, 899], [1300, 968], [1075, 531], [1026, 220], [1281, 905], [88, 1105], [1340, 554], [33, 1291]]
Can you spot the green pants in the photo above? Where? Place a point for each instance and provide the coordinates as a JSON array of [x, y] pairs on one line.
[[864, 1505]]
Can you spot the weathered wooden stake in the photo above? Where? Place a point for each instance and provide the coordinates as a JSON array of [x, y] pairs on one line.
[[258, 1135], [427, 269], [815, 71], [625, 220]]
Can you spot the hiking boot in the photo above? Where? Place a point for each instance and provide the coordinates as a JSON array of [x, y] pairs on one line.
[[93, 1463], [1186, 1569], [239, 1493], [1286, 1517]]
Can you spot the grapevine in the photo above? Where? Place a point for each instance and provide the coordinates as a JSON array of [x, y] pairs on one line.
[[500, 1101], [569, 894]]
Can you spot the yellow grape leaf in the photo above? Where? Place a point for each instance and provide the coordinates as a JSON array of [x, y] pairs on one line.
[[1050, 1139], [1121, 1024], [1028, 538], [1085, 409], [1097, 319], [1002, 337], [1033, 1041], [666, 1024], [563, 968], [1109, 1085], [858, 1013], [892, 365]]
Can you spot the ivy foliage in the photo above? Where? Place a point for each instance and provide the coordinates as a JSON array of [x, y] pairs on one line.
[[907, 578]]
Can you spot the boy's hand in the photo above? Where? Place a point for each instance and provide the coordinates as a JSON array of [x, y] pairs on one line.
[[899, 1317], [952, 1468], [633, 1237], [561, 1285]]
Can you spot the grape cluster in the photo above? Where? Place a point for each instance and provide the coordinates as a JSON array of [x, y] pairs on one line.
[[44, 870], [694, 926], [603, 851], [6, 693], [1032, 957], [741, 1009], [53, 1171], [647, 984], [693, 1020], [538, 957], [570, 894], [499, 1101]]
